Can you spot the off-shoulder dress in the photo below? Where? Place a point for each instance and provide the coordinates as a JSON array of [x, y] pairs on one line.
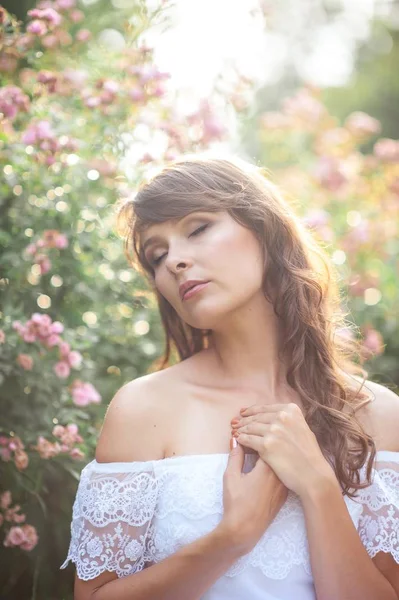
[[129, 515]]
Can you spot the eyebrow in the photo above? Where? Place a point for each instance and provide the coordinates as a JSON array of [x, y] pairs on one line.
[[155, 238]]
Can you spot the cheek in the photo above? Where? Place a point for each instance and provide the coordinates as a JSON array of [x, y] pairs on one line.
[[238, 260]]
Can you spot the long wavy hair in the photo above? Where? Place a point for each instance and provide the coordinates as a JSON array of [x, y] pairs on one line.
[[299, 280]]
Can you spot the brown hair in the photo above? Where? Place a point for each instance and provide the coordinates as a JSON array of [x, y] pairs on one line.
[[298, 275]]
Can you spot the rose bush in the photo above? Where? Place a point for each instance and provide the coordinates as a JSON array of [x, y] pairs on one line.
[[76, 322], [80, 125], [349, 198]]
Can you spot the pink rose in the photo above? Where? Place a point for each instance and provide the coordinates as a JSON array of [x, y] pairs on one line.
[[37, 27], [57, 327], [31, 249], [44, 263], [360, 123], [5, 454], [65, 349], [43, 330], [76, 454], [387, 150], [12, 101], [72, 428], [17, 325], [52, 340], [2, 336], [48, 14], [41, 319], [111, 86], [62, 369], [15, 537], [58, 430], [29, 337], [29, 136], [83, 35], [25, 361], [76, 16], [19, 518], [50, 41], [5, 499], [31, 537], [61, 241], [137, 94], [373, 341], [84, 394], [65, 4], [47, 449], [74, 359], [330, 173], [43, 129]]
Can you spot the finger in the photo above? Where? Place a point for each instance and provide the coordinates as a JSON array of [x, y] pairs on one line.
[[254, 428], [260, 418], [235, 460], [260, 408], [251, 441], [261, 466]]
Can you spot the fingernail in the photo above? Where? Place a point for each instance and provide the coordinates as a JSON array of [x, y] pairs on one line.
[[242, 410], [234, 421], [233, 443]]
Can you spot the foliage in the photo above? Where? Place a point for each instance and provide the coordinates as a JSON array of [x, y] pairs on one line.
[[349, 197], [82, 123], [78, 122]]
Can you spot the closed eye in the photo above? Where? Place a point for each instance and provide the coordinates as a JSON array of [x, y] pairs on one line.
[[197, 231], [156, 261]]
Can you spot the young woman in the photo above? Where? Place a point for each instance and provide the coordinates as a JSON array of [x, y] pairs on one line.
[[305, 505]]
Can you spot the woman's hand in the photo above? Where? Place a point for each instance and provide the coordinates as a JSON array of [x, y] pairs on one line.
[[284, 441], [250, 500]]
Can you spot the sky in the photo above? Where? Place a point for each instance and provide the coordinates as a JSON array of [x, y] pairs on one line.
[[208, 34], [319, 38]]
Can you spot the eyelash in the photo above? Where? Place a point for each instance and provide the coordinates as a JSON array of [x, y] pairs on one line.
[[156, 261]]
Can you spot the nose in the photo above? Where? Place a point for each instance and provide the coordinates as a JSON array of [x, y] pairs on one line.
[[176, 261]]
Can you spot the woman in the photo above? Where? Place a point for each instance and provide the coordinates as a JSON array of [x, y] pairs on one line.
[[305, 505]]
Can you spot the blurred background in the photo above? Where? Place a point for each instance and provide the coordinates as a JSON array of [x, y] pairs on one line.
[[97, 95]]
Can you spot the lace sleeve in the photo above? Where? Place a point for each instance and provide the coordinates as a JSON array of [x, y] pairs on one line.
[[111, 520], [378, 524]]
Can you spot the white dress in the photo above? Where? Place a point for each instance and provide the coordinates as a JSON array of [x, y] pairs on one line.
[[129, 515]]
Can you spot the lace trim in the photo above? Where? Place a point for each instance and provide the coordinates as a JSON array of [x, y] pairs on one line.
[[111, 523], [123, 522], [379, 522]]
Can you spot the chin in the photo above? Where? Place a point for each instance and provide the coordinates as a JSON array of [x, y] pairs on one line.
[[201, 319]]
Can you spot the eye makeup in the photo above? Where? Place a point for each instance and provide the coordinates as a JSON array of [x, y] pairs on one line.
[[156, 261]]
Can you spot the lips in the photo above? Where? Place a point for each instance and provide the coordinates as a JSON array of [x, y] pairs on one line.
[[195, 290], [189, 285], [191, 288]]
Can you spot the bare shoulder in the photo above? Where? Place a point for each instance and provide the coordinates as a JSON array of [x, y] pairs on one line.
[[135, 422], [380, 418]]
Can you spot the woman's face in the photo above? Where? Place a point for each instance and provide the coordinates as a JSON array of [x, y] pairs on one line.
[[207, 246]]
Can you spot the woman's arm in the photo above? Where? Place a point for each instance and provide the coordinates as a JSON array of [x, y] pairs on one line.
[[187, 574], [250, 503], [341, 566], [133, 430]]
